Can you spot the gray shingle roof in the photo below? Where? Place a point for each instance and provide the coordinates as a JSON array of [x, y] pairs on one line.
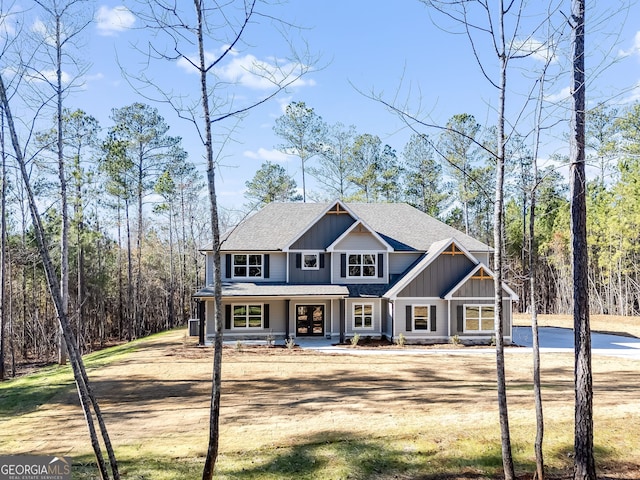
[[404, 227]]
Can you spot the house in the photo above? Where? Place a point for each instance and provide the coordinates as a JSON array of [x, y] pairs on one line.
[[337, 269]]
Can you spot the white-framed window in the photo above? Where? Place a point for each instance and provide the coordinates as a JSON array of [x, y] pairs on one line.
[[362, 265], [479, 318], [310, 261], [247, 316], [421, 317], [247, 265], [363, 315]]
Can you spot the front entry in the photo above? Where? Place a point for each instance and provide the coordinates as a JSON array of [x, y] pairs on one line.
[[309, 320]]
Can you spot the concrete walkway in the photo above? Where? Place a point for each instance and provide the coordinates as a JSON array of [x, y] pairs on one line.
[[551, 340]]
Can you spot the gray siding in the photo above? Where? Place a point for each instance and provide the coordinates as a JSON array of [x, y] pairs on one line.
[[323, 233], [439, 277], [475, 288], [319, 276], [400, 262], [455, 316], [277, 267], [379, 313], [441, 318], [360, 241]]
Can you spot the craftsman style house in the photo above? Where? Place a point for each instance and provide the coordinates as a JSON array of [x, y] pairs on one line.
[[337, 269]]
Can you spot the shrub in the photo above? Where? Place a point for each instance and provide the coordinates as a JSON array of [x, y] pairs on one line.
[[455, 340], [355, 339], [290, 342], [401, 340]]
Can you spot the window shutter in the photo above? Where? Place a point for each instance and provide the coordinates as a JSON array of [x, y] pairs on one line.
[[265, 315], [298, 260], [432, 318], [321, 260], [380, 265], [409, 318], [343, 265], [460, 318], [227, 317], [228, 262], [265, 265]]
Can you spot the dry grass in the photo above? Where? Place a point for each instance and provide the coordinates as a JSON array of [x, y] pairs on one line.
[[295, 414]]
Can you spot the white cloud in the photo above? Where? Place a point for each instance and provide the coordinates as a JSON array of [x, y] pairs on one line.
[[267, 155], [536, 49], [113, 20], [634, 49], [49, 76], [250, 72], [562, 95]]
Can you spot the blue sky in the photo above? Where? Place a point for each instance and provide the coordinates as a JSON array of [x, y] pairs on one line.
[[392, 48]]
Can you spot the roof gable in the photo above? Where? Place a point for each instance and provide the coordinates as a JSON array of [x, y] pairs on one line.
[[359, 228], [323, 230], [448, 246], [468, 286]]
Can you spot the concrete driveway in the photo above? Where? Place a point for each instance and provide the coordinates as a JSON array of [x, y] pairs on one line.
[[561, 340]]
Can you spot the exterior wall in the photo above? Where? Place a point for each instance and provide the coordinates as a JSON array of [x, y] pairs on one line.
[[483, 257], [336, 268], [360, 241], [400, 262], [208, 269], [277, 268], [379, 313], [320, 276], [476, 289], [277, 319], [323, 233], [441, 334], [439, 277], [458, 304]]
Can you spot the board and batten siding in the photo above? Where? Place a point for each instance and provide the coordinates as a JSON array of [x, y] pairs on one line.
[[323, 233], [322, 275], [438, 277]]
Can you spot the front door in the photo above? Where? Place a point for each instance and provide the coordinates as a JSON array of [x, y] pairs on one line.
[[309, 320]]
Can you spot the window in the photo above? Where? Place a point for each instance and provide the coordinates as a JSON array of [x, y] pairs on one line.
[[247, 316], [361, 265], [362, 315], [479, 318], [245, 266], [310, 261], [421, 317]]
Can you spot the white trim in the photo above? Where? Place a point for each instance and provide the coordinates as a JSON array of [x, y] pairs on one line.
[[247, 327], [247, 266], [480, 307], [435, 250], [358, 222], [353, 316], [317, 219], [413, 318], [362, 265], [449, 296]]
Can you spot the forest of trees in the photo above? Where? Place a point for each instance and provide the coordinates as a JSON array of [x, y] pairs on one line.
[[139, 216]]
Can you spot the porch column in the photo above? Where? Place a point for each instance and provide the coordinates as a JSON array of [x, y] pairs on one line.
[[287, 304]]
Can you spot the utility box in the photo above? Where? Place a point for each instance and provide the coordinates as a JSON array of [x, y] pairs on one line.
[[194, 327]]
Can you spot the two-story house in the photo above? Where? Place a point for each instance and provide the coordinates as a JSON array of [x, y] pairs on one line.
[[334, 270]]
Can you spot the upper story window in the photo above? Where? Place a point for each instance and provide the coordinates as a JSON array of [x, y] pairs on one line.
[[247, 265], [310, 261], [362, 265], [479, 318]]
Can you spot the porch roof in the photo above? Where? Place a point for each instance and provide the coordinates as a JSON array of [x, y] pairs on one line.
[[271, 289]]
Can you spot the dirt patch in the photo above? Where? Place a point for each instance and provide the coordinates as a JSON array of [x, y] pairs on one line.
[[156, 402]]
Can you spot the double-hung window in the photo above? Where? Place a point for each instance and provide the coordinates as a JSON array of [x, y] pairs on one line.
[[247, 316], [363, 315], [421, 320], [479, 318], [362, 264], [247, 265]]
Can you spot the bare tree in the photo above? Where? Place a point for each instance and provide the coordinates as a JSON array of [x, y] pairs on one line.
[[3, 243], [584, 462], [217, 31]]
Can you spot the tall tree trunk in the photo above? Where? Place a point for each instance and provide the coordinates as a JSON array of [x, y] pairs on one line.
[[584, 462], [64, 209], [3, 247], [498, 233], [214, 415], [85, 393]]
